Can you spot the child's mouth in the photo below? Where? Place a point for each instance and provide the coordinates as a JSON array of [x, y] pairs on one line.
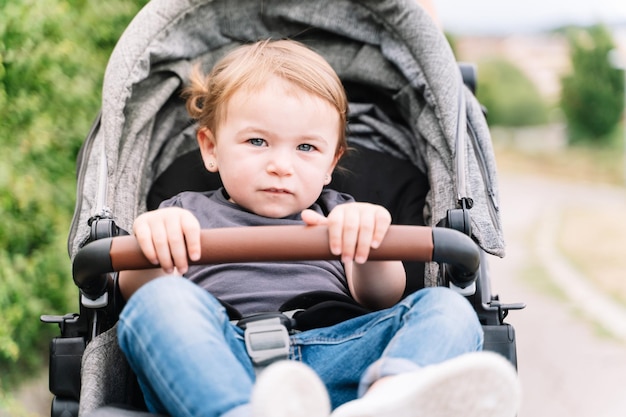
[[277, 191]]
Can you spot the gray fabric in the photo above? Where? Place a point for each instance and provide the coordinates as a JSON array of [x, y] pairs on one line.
[[105, 374], [254, 287], [391, 44], [119, 412], [371, 128]]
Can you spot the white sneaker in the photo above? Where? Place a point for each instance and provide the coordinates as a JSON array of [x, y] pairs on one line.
[[481, 384], [289, 389]]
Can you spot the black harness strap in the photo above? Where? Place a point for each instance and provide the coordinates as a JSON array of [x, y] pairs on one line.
[[267, 334], [307, 311], [322, 309]]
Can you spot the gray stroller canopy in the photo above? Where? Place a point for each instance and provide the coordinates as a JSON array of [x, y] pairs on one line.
[[391, 45]]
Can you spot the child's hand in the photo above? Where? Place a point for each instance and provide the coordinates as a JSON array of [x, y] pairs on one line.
[[353, 228], [168, 237]]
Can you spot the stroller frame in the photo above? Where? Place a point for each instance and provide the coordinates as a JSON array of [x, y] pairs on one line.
[[457, 159]]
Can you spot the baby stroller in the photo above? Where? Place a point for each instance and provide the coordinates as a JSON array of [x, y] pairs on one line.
[[421, 148]]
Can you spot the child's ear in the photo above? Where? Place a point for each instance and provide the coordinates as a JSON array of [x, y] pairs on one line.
[[328, 178], [206, 142]]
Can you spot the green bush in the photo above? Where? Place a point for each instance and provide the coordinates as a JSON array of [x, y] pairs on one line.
[[52, 58], [510, 97], [592, 95]]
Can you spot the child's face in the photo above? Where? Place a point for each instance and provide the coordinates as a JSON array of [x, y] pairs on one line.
[[275, 150]]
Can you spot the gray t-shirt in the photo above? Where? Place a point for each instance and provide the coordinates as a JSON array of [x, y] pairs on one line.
[[256, 287]]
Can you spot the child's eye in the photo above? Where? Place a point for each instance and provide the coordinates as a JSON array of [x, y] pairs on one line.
[[306, 147], [256, 142]]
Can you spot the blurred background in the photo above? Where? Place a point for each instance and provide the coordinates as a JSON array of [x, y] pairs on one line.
[[551, 76]]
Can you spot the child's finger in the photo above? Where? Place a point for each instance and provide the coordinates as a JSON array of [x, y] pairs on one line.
[[382, 222], [161, 246], [350, 235], [176, 243], [366, 233], [313, 218], [144, 239], [335, 231], [191, 232]]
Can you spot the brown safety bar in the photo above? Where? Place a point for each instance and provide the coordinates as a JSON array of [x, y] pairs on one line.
[[276, 243]]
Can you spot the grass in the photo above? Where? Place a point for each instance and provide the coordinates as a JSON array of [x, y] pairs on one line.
[[538, 278], [597, 248], [592, 236], [578, 163], [10, 407]]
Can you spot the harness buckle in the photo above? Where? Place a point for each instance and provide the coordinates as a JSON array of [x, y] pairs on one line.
[[267, 340]]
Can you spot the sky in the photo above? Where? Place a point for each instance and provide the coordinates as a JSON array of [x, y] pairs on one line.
[[523, 16]]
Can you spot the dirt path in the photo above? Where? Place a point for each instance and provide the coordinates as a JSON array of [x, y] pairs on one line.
[[567, 366]]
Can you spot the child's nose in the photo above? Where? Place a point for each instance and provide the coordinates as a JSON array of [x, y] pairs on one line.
[[280, 163]]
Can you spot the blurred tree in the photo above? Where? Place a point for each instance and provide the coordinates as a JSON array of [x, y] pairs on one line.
[[510, 97], [52, 57], [592, 95]]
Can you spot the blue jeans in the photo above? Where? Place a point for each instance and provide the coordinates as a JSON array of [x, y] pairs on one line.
[[191, 361]]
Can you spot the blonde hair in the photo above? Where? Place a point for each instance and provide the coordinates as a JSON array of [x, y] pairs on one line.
[[250, 67]]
